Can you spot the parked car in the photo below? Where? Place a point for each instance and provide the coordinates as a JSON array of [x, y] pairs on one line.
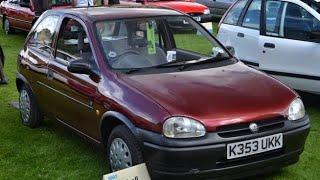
[[180, 102], [285, 44], [22, 14], [198, 11], [217, 7]]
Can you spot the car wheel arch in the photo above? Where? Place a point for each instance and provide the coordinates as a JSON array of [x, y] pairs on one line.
[[20, 81], [112, 119]]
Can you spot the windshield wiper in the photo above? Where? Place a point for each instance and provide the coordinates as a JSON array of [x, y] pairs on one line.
[[209, 60], [170, 64], [185, 64], [130, 71]]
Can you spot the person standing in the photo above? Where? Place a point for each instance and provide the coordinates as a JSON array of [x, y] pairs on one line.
[[3, 79]]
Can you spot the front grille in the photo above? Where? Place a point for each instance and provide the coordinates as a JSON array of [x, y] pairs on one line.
[[242, 129]]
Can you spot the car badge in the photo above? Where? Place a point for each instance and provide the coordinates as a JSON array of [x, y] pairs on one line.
[[254, 127]]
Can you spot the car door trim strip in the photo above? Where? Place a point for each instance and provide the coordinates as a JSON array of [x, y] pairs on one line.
[[71, 98]]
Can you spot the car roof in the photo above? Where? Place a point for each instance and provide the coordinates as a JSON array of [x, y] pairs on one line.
[[116, 12]]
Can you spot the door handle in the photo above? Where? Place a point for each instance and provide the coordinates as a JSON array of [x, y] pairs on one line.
[[269, 45], [240, 35]]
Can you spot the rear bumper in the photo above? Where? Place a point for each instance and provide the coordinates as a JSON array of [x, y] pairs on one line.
[[206, 157]]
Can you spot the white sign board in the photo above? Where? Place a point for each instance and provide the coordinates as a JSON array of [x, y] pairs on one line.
[[208, 26], [138, 172]]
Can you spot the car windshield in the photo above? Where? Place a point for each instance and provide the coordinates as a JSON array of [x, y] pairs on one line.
[[157, 42]]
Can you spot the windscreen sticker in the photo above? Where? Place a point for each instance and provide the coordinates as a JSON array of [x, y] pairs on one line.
[[151, 38]]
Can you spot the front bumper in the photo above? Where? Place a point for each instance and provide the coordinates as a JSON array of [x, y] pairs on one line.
[[205, 158]]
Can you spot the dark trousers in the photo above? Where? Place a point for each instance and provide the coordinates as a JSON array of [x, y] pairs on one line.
[[3, 79]]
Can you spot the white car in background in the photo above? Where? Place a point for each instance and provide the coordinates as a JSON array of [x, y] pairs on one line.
[[280, 37]]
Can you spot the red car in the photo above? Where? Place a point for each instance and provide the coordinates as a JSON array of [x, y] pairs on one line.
[[198, 11], [124, 79], [22, 14]]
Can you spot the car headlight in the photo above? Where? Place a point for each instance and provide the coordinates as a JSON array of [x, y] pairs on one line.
[[206, 11], [296, 110], [183, 127]]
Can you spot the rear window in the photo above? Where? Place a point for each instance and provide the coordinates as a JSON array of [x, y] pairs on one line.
[[234, 14]]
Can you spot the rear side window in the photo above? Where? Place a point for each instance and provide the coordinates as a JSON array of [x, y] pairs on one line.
[[252, 17], [289, 20], [41, 38], [274, 9], [299, 23], [234, 14]]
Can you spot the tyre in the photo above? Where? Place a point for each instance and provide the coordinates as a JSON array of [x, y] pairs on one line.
[[7, 27], [29, 111], [123, 150]]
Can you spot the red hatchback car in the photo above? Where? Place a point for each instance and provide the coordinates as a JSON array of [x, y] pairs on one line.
[[198, 11], [22, 14], [124, 79]]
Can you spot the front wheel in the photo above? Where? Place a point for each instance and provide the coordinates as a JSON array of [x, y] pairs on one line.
[[30, 113], [123, 150]]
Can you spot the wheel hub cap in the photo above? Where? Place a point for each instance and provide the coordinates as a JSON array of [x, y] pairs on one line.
[[24, 105], [120, 156]]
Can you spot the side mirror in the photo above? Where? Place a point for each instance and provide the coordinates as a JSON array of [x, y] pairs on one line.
[[231, 50], [80, 67]]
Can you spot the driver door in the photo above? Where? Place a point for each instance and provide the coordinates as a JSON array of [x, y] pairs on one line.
[[75, 94]]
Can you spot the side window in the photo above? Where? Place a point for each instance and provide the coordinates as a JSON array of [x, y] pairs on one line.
[[252, 16], [274, 11], [41, 38], [298, 23], [233, 16], [73, 43]]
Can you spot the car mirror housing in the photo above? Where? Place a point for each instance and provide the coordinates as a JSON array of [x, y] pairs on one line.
[[231, 50], [80, 67]]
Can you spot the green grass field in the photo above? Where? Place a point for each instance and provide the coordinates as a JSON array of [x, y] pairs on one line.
[[52, 152]]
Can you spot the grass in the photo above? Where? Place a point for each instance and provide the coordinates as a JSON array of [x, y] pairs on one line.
[[48, 152], [52, 152]]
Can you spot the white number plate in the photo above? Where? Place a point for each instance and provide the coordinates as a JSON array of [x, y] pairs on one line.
[[254, 146]]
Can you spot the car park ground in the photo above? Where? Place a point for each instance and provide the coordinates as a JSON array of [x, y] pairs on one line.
[[53, 152]]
